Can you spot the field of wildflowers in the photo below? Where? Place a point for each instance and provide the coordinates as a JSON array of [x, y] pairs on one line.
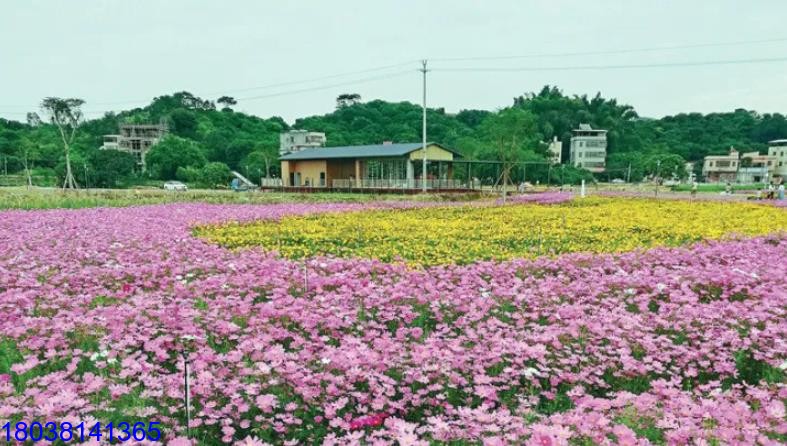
[[466, 234], [672, 345]]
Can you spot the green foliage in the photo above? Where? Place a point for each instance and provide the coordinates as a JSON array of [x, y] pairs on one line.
[[215, 174], [249, 144], [108, 167], [666, 166], [164, 159]]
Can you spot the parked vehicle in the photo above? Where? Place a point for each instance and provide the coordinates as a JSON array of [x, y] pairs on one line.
[[175, 185]]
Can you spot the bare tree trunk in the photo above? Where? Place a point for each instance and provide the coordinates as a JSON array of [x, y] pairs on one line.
[[69, 182], [27, 172], [505, 182]]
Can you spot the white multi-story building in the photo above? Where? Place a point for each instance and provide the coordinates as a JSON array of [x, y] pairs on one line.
[[297, 140], [778, 150], [555, 150], [136, 139], [588, 148]]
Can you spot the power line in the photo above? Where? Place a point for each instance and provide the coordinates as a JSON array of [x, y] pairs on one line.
[[616, 67], [611, 52], [278, 84], [282, 93], [325, 87], [315, 79]]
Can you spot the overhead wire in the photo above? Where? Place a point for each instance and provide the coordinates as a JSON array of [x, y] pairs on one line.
[[439, 68], [615, 67], [612, 52]]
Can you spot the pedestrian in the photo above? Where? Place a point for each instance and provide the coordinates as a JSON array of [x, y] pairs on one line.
[[770, 192], [693, 189], [781, 191], [728, 188]]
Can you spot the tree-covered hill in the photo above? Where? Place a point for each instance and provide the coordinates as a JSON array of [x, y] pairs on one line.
[[202, 134]]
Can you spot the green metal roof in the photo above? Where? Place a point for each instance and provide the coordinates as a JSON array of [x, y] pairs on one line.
[[369, 151]]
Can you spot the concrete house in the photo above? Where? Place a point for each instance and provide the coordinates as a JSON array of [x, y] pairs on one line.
[[382, 166]]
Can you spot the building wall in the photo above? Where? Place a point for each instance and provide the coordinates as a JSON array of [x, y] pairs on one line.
[[433, 153], [722, 168], [136, 139], [296, 140], [779, 154], [309, 171], [589, 152], [748, 175], [555, 151], [342, 169], [286, 168]]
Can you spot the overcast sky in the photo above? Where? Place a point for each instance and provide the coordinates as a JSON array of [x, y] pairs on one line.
[[120, 54]]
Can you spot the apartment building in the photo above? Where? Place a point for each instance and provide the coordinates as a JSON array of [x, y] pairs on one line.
[[778, 150], [588, 148], [297, 140]]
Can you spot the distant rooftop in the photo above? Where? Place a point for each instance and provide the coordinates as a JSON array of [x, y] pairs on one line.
[[366, 151], [588, 128], [778, 141]]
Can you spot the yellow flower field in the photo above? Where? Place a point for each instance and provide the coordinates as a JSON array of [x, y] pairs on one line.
[[441, 235]]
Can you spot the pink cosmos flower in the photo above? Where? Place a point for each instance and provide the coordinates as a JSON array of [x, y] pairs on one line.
[[180, 441], [251, 441], [267, 402]]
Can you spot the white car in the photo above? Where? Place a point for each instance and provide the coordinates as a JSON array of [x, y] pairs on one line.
[[175, 185]]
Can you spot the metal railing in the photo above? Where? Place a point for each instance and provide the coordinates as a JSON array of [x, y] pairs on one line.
[[369, 183], [270, 182]]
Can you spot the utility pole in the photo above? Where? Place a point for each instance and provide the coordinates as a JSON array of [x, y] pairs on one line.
[[423, 130], [628, 174], [87, 185]]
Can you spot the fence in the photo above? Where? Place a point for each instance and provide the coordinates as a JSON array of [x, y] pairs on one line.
[[368, 183], [270, 182]]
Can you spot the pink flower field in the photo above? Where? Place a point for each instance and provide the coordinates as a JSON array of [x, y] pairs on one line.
[[667, 346]]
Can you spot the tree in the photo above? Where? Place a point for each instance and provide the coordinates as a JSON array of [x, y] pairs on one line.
[[29, 154], [33, 120], [227, 102], [163, 160], [66, 116], [184, 123], [666, 166], [347, 99], [511, 132], [214, 174], [260, 161], [111, 166]]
